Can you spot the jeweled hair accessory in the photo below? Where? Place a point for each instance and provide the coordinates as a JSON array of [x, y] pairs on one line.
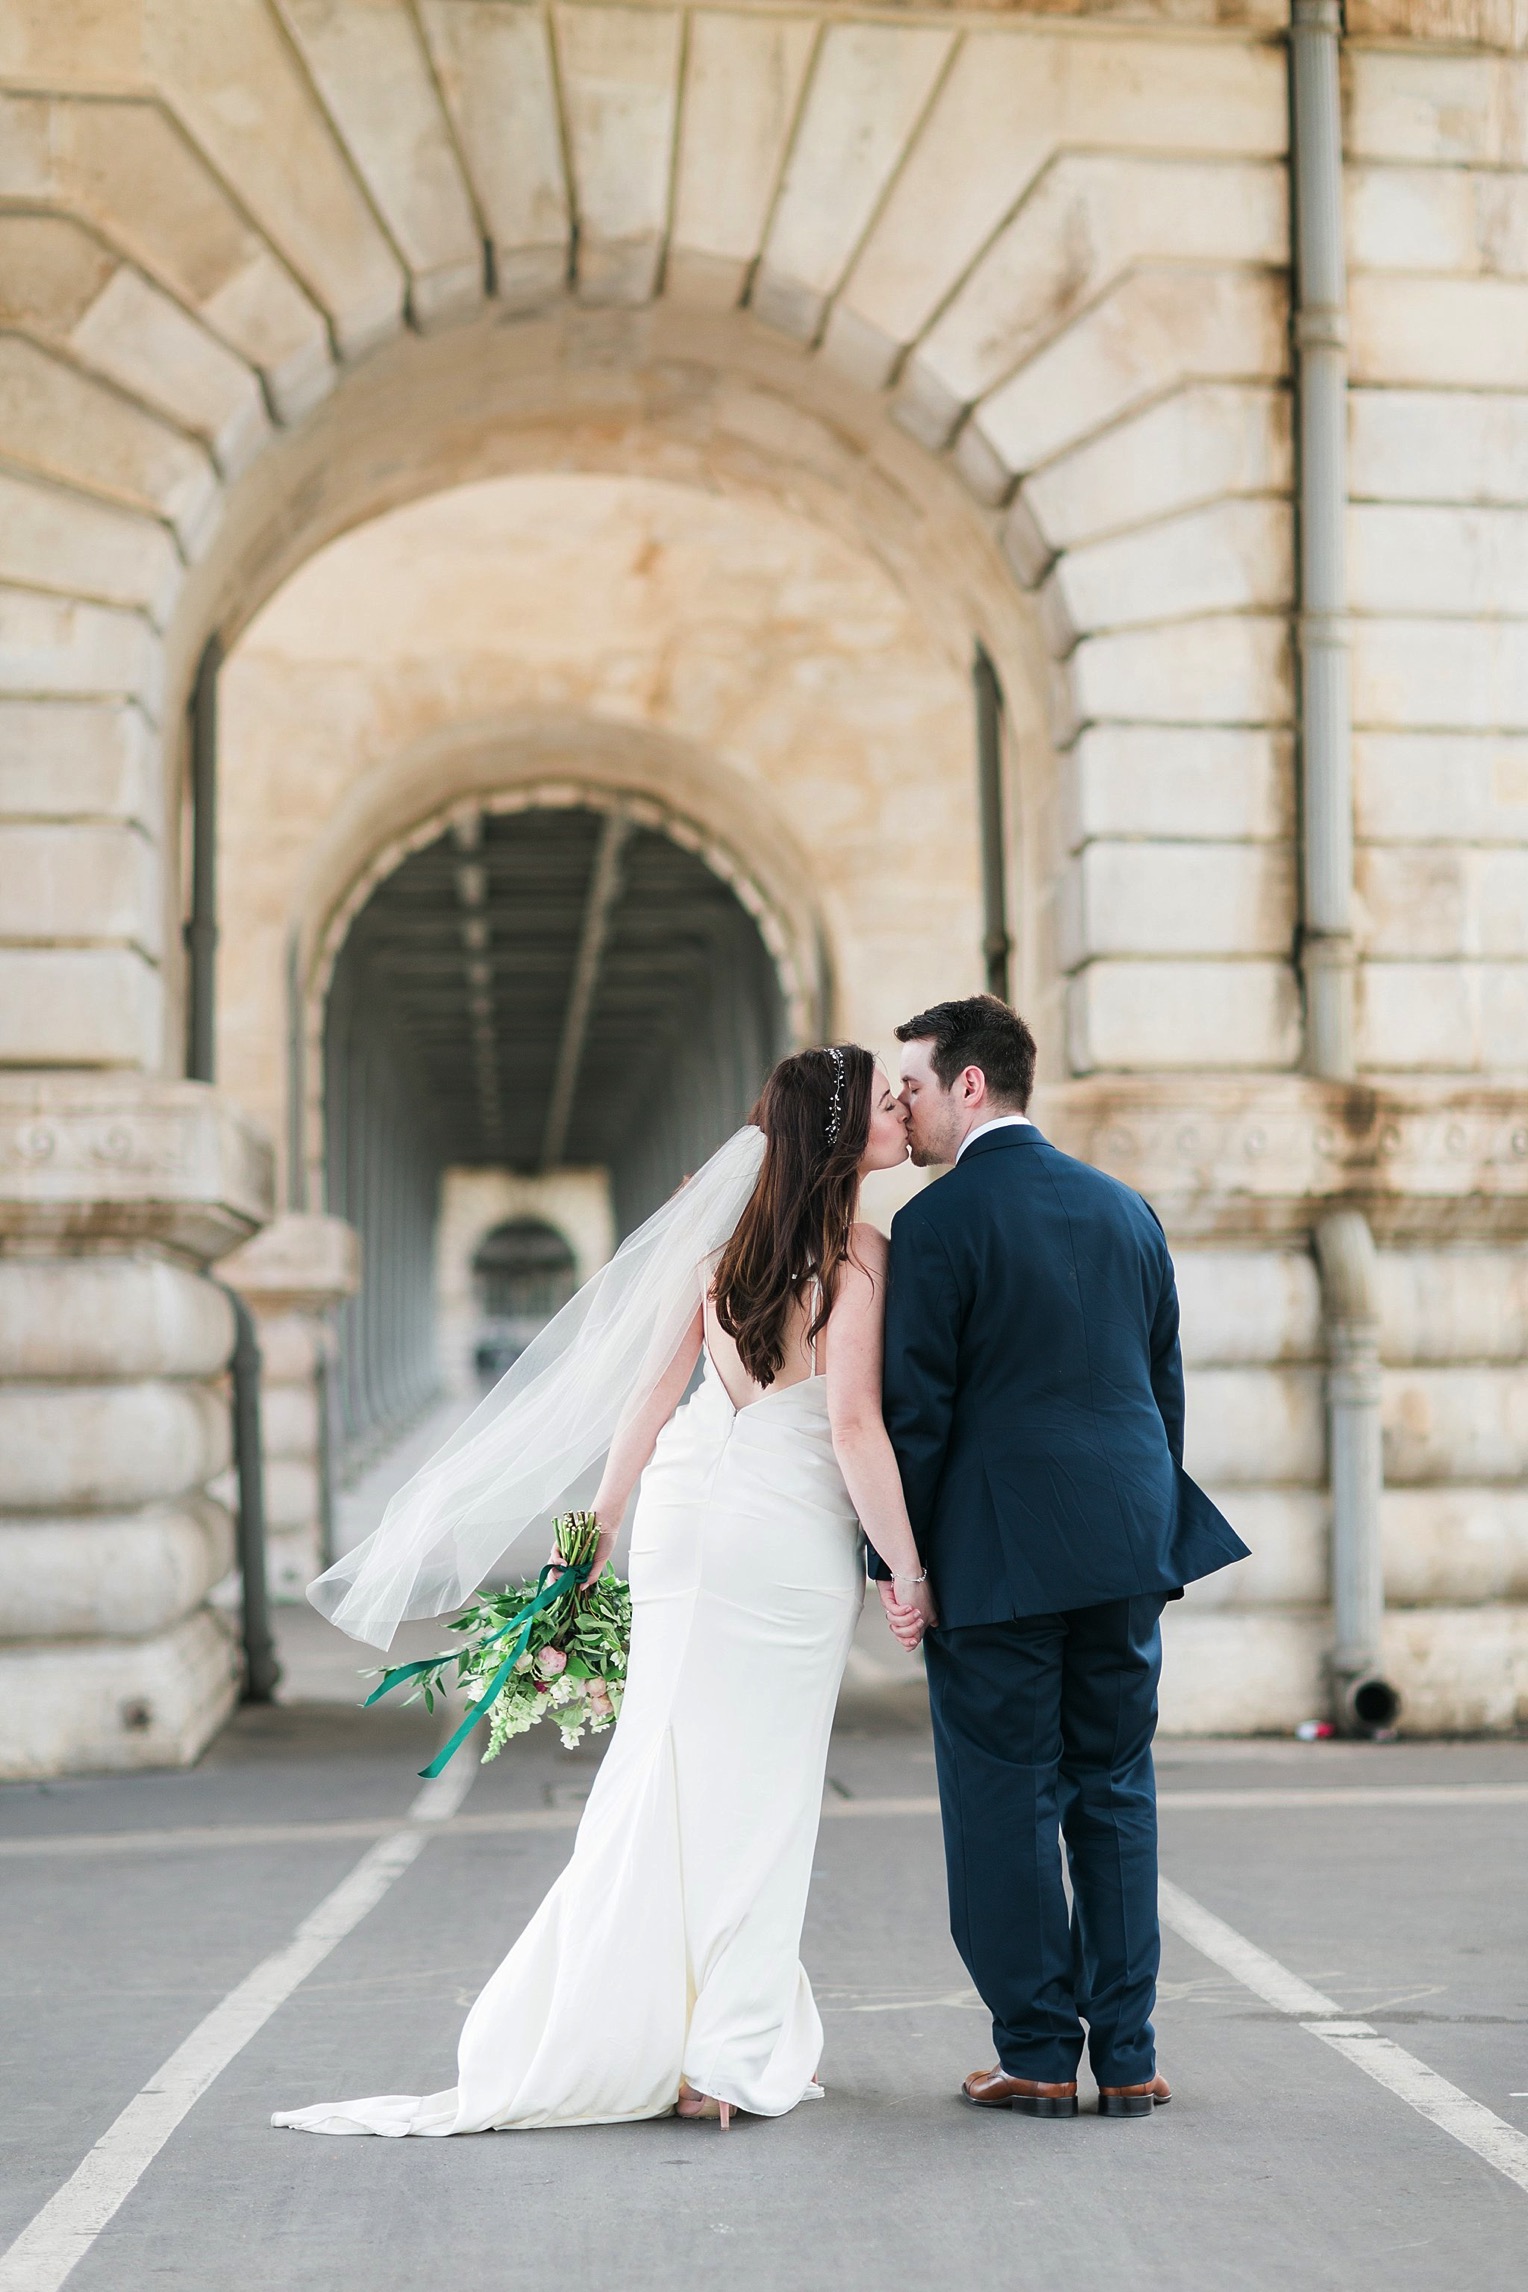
[[836, 1110]]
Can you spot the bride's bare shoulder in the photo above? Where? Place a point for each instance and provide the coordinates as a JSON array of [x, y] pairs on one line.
[[869, 1247]]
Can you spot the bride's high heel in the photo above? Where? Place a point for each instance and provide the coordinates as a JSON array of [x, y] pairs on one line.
[[709, 2111]]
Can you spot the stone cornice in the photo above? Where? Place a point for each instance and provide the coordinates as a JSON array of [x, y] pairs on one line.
[[1260, 1157], [302, 1263], [107, 1160], [114, 1159]]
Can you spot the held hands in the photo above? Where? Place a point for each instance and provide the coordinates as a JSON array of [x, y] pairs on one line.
[[909, 1609]]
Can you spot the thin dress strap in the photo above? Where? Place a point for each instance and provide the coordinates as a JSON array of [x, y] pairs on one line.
[[817, 1340]]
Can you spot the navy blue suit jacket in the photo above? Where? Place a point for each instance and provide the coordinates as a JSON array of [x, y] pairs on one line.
[[1034, 1389]]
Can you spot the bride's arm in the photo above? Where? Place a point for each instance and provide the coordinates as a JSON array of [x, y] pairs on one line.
[[860, 1441], [636, 1438]]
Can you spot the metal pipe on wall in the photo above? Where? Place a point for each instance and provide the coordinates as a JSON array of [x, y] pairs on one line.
[[262, 1672], [1345, 1251], [297, 1076], [1320, 338], [201, 928], [1344, 1244], [997, 946], [261, 1669]]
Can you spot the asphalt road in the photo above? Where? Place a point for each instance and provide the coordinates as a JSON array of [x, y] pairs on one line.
[[129, 1908]]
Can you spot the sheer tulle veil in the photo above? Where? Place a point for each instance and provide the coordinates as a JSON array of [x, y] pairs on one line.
[[523, 1455]]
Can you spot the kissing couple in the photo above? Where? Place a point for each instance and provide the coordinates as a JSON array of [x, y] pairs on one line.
[[990, 1410]]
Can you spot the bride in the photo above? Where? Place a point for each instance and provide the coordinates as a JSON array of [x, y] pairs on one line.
[[661, 1973]]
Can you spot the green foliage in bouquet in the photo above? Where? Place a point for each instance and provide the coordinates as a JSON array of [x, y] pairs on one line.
[[553, 1649]]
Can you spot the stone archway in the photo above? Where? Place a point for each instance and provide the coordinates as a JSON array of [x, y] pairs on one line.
[[1001, 304], [201, 389], [704, 659], [1007, 295], [698, 663], [525, 1270]]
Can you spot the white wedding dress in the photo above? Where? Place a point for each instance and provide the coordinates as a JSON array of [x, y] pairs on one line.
[[669, 1947]]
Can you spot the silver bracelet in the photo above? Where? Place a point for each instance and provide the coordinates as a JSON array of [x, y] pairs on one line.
[[922, 1578]]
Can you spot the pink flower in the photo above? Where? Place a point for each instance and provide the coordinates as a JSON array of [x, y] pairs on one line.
[[597, 1696], [551, 1662]]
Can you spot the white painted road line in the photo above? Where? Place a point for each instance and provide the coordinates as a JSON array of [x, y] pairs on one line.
[[58, 2238], [1224, 1947], [215, 1837], [1432, 2096], [1454, 1795], [851, 1810]]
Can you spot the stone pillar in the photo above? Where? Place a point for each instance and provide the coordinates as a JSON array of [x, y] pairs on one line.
[[291, 1277], [116, 1192]]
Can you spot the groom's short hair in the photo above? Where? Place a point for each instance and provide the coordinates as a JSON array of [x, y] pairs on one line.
[[978, 1031]]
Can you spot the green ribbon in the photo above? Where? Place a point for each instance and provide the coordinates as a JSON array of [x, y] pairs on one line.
[[547, 1595]]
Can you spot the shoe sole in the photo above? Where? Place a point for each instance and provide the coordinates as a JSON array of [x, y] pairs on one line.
[[1031, 2104], [1131, 2104]]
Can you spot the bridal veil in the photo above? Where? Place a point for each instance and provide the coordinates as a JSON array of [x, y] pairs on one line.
[[522, 1455]]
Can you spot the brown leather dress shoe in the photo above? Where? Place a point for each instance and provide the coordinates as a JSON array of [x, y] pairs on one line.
[[1133, 2100], [995, 2089]]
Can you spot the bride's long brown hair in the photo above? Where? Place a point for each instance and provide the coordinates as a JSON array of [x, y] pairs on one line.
[[814, 1112]]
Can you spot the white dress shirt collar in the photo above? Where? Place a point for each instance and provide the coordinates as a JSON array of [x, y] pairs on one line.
[[998, 1122]]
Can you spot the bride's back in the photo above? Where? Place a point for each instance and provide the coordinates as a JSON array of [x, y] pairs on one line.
[[798, 1365], [817, 1111]]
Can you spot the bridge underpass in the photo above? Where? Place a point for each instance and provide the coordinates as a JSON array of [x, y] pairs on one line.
[[535, 991]]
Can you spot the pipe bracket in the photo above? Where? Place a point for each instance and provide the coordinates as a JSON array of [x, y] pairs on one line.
[[1319, 326]]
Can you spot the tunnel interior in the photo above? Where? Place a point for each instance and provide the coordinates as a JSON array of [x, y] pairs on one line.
[[534, 990], [523, 1272]]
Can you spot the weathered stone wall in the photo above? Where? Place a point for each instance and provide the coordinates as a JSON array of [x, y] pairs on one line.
[[988, 310], [1438, 243]]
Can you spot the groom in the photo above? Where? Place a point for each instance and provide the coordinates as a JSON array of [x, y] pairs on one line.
[[1034, 1397]]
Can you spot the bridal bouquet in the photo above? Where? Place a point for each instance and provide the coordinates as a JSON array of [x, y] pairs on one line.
[[556, 1648]]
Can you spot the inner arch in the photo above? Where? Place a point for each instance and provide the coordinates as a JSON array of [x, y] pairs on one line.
[[532, 992]]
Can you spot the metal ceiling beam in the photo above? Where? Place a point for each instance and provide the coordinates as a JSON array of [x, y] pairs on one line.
[[492, 955], [604, 891], [471, 884]]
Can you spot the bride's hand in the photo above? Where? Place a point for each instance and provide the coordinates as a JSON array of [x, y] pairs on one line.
[[906, 1624], [597, 1565]]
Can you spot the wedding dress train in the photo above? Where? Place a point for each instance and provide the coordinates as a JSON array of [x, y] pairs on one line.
[[669, 1946]]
